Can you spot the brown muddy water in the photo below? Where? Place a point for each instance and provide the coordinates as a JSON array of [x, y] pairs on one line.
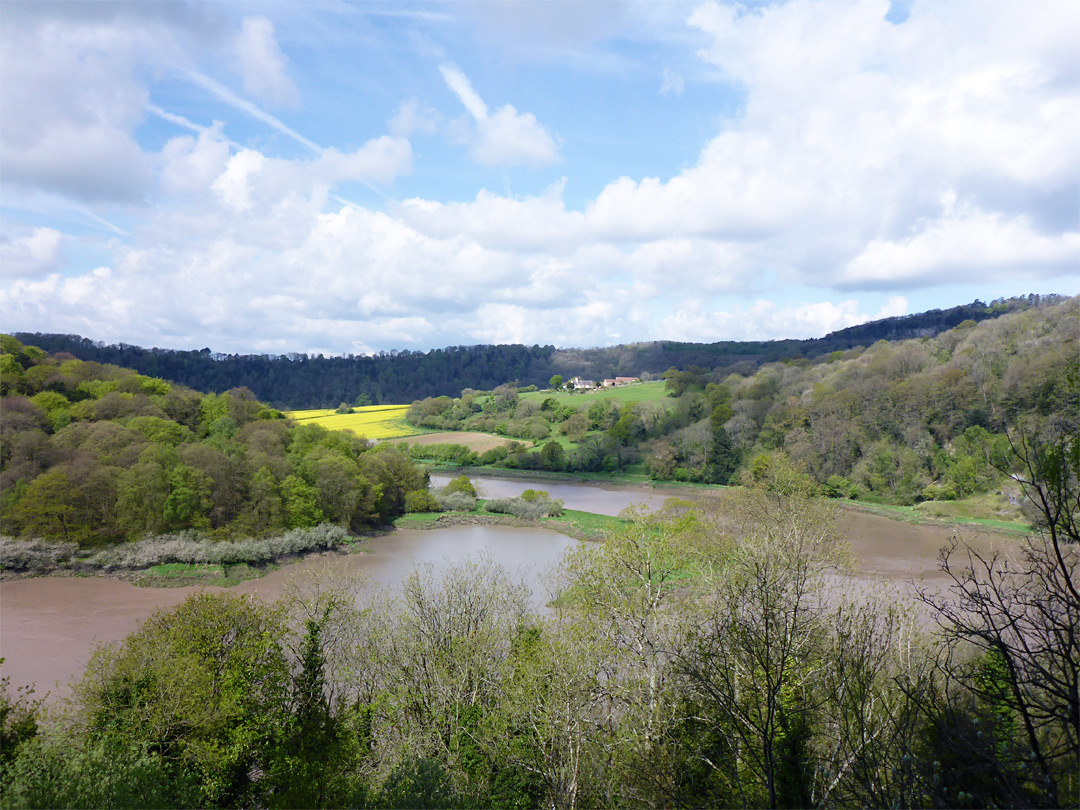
[[49, 626]]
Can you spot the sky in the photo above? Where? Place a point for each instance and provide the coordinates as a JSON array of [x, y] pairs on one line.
[[360, 177]]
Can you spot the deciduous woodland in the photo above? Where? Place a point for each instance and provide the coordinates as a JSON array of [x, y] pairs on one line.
[[898, 422], [313, 381], [719, 653]]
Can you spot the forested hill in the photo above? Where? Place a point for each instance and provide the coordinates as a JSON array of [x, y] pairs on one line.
[[298, 380]]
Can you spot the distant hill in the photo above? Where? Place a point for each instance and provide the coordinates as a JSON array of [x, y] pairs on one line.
[[300, 380]]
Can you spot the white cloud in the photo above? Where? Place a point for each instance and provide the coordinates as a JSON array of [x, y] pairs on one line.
[[505, 138], [32, 255], [412, 117], [864, 156], [968, 246], [510, 138], [539, 223], [234, 184], [69, 102], [262, 64], [853, 127], [763, 320], [191, 164]]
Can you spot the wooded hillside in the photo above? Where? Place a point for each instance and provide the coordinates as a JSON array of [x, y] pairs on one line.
[[91, 453], [900, 421], [301, 381]]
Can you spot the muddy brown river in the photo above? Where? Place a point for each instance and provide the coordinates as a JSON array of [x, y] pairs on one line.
[[49, 626]]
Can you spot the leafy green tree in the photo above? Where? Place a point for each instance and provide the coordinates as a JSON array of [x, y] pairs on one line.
[[188, 502], [141, 494], [265, 509], [552, 456], [723, 459], [311, 746], [556, 382], [47, 509], [460, 484], [18, 720], [204, 686], [301, 503]]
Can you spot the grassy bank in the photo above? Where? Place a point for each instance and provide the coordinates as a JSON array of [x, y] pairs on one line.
[[971, 513], [572, 523]]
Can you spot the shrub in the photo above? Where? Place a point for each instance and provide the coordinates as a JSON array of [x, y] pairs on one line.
[[34, 555], [538, 505], [493, 456], [939, 492], [460, 484], [455, 501], [420, 500], [837, 486]]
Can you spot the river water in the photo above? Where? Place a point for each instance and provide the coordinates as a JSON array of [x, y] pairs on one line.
[[49, 626]]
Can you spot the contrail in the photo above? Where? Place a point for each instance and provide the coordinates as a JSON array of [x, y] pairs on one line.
[[229, 97]]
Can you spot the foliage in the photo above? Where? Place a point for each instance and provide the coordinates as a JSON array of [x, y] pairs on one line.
[[529, 505], [138, 456], [700, 656]]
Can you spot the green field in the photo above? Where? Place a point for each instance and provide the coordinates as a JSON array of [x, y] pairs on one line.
[[638, 392], [372, 422]]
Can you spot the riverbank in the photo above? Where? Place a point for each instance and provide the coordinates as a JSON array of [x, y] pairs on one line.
[[573, 522], [182, 560], [986, 512]]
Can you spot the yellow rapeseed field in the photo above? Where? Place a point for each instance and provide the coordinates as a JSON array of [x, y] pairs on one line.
[[373, 422]]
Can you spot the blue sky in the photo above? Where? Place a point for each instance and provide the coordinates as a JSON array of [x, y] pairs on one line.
[[356, 177]]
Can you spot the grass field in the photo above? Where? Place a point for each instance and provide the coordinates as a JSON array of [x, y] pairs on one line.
[[638, 392], [373, 422]]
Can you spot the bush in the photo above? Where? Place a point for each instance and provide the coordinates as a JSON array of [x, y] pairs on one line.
[[460, 484], [455, 501], [939, 492], [457, 454], [537, 505], [837, 486], [420, 500], [493, 456], [34, 555]]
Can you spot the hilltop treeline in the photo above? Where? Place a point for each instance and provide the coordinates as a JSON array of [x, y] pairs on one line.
[[303, 381], [900, 421], [92, 453], [696, 659]]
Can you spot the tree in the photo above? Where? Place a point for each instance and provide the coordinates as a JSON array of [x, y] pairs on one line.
[[46, 509], [556, 382], [552, 456], [722, 457], [301, 503], [460, 484], [204, 686], [752, 662], [1022, 614]]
